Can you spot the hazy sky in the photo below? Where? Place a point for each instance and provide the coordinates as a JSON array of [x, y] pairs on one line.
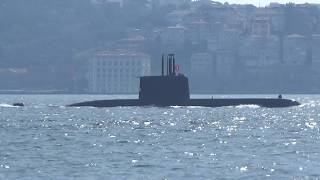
[[266, 2]]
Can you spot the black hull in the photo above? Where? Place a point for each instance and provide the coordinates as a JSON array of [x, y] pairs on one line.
[[263, 102]]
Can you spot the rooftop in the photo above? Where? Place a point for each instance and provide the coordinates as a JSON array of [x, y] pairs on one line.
[[119, 53]]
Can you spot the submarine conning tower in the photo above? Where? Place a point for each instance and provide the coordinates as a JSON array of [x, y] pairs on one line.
[[168, 89]]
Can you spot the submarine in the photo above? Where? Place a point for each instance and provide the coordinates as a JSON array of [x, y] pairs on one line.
[[172, 89]]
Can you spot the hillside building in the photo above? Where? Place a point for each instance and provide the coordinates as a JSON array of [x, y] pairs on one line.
[[258, 51], [202, 65], [295, 50], [316, 49]]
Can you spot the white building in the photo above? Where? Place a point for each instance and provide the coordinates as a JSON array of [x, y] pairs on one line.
[[295, 50], [114, 72]]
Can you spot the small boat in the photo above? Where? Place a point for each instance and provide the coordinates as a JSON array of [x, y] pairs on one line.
[[18, 104]]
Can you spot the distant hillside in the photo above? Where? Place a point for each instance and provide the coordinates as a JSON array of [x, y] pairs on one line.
[[40, 34]]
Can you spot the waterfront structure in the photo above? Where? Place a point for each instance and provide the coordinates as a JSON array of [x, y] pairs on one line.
[[113, 72]]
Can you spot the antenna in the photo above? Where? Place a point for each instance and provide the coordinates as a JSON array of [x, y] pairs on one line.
[[170, 64], [174, 65], [167, 65], [162, 64]]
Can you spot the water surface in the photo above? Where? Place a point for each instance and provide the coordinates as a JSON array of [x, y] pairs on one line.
[[47, 140]]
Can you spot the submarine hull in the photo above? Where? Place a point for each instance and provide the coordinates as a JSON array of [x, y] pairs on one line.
[[262, 102], [109, 103]]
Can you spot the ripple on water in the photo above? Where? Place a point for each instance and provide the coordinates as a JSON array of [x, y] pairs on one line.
[[156, 143]]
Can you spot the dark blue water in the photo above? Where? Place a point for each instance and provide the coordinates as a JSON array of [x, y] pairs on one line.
[[46, 140]]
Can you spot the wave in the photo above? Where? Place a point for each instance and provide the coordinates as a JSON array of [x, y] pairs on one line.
[[6, 105], [310, 104], [253, 106]]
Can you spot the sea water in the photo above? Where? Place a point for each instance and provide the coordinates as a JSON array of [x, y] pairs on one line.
[[47, 140]]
